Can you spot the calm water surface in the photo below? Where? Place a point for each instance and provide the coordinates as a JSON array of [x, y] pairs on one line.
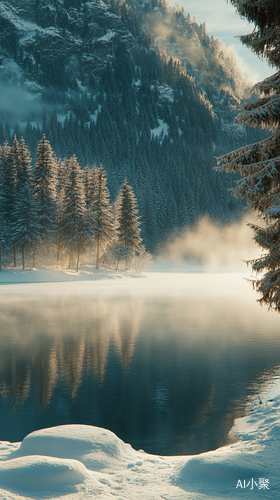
[[166, 361]]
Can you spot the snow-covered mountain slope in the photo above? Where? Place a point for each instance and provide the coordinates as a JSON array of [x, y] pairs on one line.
[[177, 35], [58, 46], [98, 79], [69, 44]]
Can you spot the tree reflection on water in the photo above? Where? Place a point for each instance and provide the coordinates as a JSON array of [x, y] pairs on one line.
[[168, 374]]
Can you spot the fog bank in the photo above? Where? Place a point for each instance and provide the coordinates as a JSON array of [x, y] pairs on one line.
[[211, 247]]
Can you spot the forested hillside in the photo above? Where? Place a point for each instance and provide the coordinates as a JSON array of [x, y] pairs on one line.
[[104, 84]]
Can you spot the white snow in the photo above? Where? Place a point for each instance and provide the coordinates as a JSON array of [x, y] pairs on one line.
[[137, 83], [105, 38], [33, 87], [62, 117], [94, 115], [166, 92], [10, 276], [162, 130], [77, 462], [81, 87], [43, 473], [92, 446]]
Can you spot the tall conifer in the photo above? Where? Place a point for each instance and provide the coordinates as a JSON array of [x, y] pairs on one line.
[[26, 228], [3, 232], [3, 219], [101, 211], [127, 220], [259, 163], [17, 166], [74, 229], [16, 161], [7, 190], [45, 182], [23, 172]]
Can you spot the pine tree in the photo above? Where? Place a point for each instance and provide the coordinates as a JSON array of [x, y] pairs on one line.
[[16, 170], [16, 160], [3, 232], [127, 220], [3, 219], [16, 166], [26, 227], [101, 211], [45, 182], [59, 222], [259, 163], [74, 230], [7, 189], [23, 166], [89, 185]]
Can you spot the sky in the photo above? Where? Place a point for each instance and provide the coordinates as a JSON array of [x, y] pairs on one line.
[[224, 23]]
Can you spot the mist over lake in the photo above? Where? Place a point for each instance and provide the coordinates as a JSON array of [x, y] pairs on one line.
[[167, 361]]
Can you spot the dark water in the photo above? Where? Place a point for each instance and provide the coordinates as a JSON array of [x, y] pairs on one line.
[[167, 368]]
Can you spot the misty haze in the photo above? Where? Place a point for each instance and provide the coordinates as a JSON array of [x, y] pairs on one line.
[[167, 368]]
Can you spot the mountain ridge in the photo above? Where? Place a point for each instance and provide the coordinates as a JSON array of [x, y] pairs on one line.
[[111, 96]]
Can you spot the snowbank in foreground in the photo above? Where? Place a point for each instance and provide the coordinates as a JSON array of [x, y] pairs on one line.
[[77, 462]]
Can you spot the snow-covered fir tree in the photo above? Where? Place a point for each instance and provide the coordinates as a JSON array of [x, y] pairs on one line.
[[59, 222], [127, 220], [7, 194], [21, 228], [45, 182], [62, 171], [23, 172], [3, 221], [16, 162], [73, 228], [7, 177], [101, 213], [15, 169], [3, 233], [89, 185], [259, 163], [26, 228]]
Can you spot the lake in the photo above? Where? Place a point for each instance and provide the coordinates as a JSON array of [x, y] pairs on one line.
[[167, 361]]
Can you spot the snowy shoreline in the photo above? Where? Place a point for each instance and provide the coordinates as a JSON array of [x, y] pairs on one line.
[[77, 462], [89, 273], [18, 276]]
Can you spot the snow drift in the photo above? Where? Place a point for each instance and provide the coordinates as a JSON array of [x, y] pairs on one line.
[[80, 461], [95, 447], [43, 473]]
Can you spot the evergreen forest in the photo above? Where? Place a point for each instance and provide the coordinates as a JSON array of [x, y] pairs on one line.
[[56, 207]]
